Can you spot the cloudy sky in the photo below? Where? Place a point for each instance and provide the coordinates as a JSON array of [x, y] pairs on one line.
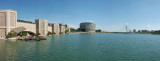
[[109, 15]]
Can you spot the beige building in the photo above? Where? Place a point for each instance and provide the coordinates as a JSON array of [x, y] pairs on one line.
[[62, 29], [55, 28], [28, 26], [42, 26], [8, 21], [49, 28]]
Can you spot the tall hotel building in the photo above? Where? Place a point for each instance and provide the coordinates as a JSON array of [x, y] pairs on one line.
[[8, 21]]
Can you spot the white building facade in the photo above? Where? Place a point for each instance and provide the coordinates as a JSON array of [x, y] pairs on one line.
[[8, 21], [42, 26]]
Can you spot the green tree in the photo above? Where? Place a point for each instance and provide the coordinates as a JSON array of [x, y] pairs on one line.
[[24, 33], [67, 31], [49, 33], [11, 34], [156, 32]]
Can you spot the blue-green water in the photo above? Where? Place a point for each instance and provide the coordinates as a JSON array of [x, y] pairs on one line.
[[84, 47]]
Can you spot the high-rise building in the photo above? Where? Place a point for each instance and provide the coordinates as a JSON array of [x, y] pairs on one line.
[[8, 21], [88, 27], [41, 26], [62, 29], [55, 28]]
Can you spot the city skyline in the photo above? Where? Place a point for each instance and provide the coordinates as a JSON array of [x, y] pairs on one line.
[[109, 15]]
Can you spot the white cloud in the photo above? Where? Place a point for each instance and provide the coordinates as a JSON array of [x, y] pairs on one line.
[[73, 26], [126, 23], [148, 25], [90, 21], [115, 28]]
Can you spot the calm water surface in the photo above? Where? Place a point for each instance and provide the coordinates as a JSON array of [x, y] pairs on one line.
[[84, 47]]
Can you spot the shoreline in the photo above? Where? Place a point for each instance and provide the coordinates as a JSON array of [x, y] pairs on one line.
[[117, 33], [89, 33]]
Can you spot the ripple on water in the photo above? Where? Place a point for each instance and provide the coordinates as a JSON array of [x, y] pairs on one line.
[[84, 47]]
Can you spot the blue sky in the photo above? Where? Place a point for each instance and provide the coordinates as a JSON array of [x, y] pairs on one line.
[[109, 15]]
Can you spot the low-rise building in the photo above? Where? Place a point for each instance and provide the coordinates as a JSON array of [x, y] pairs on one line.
[[134, 30], [144, 31]]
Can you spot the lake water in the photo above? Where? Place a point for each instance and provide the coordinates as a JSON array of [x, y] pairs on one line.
[[84, 47]]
